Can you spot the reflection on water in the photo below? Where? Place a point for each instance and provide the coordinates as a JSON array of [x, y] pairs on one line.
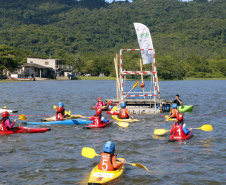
[[55, 157]]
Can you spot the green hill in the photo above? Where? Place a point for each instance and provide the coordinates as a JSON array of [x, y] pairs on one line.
[[189, 37]]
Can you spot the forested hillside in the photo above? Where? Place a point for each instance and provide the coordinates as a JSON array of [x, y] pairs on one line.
[[188, 37]]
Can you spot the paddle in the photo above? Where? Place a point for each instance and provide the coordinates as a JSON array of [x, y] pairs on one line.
[[90, 153], [135, 85], [163, 131], [160, 132], [205, 128], [122, 124], [22, 117]]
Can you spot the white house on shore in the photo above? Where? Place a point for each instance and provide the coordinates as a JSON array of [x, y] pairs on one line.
[[46, 68]]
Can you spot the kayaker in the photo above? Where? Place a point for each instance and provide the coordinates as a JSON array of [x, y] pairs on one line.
[[174, 111], [5, 123], [110, 106], [108, 158], [177, 100], [99, 103], [124, 112], [60, 112], [179, 128], [98, 118]]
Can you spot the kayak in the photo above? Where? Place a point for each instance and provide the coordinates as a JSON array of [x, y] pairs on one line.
[[111, 112], [8, 110], [16, 130], [170, 119], [178, 138], [65, 122], [185, 108], [53, 118], [115, 117], [104, 177], [105, 124]]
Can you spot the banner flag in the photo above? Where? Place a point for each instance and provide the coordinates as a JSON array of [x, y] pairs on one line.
[[145, 42]]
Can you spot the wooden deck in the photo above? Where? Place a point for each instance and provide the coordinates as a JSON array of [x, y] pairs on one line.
[[144, 106]]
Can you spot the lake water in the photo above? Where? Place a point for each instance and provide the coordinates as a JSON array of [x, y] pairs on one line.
[[55, 157]]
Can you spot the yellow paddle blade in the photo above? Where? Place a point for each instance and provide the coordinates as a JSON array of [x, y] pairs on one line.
[[206, 128], [54, 107], [140, 166], [89, 152], [160, 132], [115, 108], [22, 117], [136, 84], [69, 112], [123, 124]]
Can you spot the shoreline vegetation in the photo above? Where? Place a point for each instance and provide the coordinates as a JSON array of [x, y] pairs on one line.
[[109, 78]]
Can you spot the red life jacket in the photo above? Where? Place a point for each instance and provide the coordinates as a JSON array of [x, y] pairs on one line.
[[106, 162], [178, 131], [3, 127], [59, 116], [123, 113], [174, 113], [96, 120], [100, 104]]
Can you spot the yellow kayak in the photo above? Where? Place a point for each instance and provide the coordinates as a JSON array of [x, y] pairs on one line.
[[104, 177], [170, 119], [115, 117], [53, 118]]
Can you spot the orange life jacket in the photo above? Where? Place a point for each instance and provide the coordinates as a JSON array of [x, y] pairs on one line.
[[174, 113], [123, 113], [3, 127], [106, 162]]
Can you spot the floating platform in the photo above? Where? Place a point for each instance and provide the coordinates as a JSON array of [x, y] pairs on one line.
[[144, 106]]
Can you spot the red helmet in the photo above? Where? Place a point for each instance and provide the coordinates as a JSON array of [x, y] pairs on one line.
[[5, 114], [60, 109], [98, 111], [98, 98], [180, 117], [110, 102]]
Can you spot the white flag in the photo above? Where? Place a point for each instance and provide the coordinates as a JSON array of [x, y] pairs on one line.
[[145, 42]]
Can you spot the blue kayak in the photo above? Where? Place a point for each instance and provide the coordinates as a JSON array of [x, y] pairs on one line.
[[65, 122]]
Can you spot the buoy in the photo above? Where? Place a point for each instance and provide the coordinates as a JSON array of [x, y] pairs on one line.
[[142, 85], [54, 107], [4, 107]]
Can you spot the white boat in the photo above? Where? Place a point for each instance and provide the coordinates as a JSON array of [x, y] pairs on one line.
[[8, 110]]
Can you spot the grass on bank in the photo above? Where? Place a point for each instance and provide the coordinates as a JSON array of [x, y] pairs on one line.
[[95, 78]]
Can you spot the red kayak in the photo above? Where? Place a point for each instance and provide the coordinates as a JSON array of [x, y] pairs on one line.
[[97, 126], [16, 130], [111, 112], [178, 138]]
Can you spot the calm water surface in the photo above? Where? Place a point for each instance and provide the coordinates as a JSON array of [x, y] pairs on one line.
[[55, 157]]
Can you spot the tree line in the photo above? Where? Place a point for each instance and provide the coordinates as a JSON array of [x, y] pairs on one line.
[[188, 37]]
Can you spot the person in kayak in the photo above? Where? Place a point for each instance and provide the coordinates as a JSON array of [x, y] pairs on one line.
[[60, 112], [174, 111], [5, 123], [179, 128], [108, 158], [98, 119], [99, 103], [177, 100], [110, 106], [124, 112]]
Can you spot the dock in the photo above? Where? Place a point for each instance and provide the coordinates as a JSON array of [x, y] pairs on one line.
[[144, 106]]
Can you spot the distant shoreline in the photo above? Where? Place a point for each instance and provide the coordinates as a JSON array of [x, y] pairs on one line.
[[109, 78]]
